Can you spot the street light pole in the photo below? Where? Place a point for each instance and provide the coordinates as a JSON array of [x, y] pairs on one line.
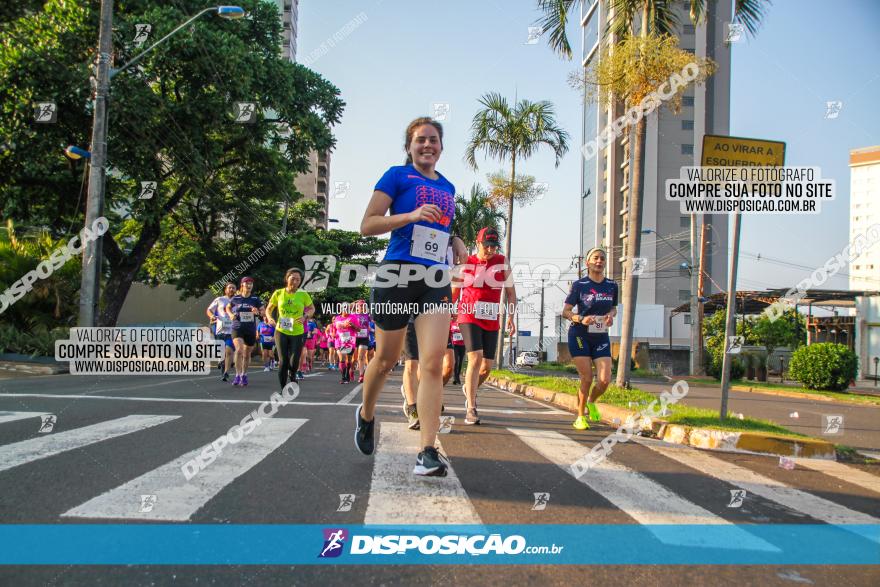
[[695, 303], [90, 284], [730, 324], [91, 263], [541, 327]]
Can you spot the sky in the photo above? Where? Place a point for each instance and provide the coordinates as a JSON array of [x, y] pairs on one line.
[[401, 57]]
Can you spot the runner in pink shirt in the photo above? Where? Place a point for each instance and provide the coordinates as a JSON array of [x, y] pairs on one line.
[[346, 336]]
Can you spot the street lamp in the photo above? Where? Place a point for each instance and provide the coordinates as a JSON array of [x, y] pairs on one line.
[[75, 152], [91, 264], [227, 12]]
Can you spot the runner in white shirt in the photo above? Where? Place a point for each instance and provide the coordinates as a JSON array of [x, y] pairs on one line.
[[222, 326]]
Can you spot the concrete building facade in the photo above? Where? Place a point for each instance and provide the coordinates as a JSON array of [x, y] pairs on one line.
[[672, 141], [313, 185]]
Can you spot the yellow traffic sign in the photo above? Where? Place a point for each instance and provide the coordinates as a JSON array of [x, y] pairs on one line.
[[722, 151]]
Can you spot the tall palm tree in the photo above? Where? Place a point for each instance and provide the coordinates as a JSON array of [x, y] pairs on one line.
[[508, 133], [656, 17], [472, 214]]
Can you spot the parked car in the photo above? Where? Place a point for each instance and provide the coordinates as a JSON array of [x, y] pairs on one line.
[[527, 359]]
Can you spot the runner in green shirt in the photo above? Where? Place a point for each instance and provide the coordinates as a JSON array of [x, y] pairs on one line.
[[294, 306]]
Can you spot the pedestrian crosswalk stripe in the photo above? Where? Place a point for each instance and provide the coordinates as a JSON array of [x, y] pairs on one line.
[[643, 499], [177, 498], [843, 472], [351, 394], [397, 496], [13, 416], [54, 443], [795, 499]]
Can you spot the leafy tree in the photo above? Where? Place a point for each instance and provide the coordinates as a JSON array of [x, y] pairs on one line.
[[508, 133], [220, 183], [524, 190], [787, 330]]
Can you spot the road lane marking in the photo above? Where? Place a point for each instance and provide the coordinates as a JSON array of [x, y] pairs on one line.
[[397, 496], [843, 472], [350, 395], [522, 397], [52, 444], [13, 416], [641, 498], [178, 499], [806, 503], [545, 412]]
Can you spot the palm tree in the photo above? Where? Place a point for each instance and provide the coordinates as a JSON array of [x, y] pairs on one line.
[[507, 133], [474, 213], [50, 301], [657, 17]]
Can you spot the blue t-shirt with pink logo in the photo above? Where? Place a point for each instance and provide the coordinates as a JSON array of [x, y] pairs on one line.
[[409, 189], [591, 298]]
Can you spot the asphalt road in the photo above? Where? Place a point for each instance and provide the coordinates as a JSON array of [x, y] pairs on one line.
[[118, 438]]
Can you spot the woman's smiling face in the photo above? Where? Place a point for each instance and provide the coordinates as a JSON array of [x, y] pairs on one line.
[[426, 146]]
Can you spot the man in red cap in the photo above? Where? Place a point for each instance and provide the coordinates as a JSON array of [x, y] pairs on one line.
[[479, 295]]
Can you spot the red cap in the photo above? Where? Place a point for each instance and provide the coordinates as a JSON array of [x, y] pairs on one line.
[[247, 279], [487, 236]]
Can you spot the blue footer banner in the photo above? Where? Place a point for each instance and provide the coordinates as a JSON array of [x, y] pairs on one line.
[[628, 544]]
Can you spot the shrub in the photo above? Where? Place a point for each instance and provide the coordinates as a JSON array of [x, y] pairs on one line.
[[39, 341], [715, 363], [825, 365]]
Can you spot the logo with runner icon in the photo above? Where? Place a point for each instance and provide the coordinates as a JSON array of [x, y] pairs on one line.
[[334, 541], [318, 270], [541, 501], [346, 500]]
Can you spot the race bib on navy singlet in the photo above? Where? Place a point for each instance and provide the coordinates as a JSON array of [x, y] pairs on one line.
[[599, 328]]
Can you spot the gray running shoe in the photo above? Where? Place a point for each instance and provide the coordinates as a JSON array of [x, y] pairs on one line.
[[412, 415], [472, 417]]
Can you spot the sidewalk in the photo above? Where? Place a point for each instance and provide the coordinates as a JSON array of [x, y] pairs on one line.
[[798, 412]]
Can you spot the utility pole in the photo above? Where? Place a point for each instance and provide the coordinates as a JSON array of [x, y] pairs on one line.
[[729, 329], [90, 283], [700, 291], [695, 302], [541, 327]]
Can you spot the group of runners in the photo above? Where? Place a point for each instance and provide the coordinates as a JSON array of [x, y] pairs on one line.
[[283, 327], [416, 310]]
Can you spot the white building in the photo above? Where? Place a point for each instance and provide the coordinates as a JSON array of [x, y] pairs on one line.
[[864, 211], [672, 141]]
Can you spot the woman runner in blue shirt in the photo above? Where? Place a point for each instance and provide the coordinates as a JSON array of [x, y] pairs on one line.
[[588, 342], [421, 203]]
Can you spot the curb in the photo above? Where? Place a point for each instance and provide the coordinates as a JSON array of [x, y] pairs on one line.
[[782, 392], [33, 368], [706, 438]]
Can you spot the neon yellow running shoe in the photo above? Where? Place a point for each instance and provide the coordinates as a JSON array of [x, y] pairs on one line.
[[581, 423], [594, 412]]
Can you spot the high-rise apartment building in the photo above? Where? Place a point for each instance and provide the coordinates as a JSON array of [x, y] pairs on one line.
[[314, 184], [672, 141]]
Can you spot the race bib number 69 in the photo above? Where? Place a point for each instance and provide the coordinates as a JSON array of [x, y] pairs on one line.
[[429, 243]]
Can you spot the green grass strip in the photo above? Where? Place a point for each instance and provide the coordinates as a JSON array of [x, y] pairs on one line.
[[637, 400]]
